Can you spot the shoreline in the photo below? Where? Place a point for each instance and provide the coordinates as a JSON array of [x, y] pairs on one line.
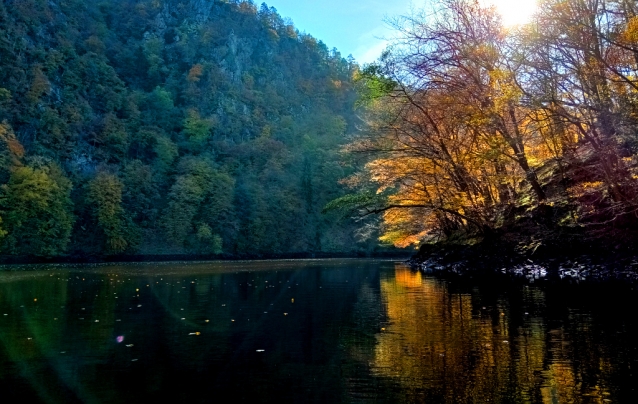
[[13, 261], [564, 261]]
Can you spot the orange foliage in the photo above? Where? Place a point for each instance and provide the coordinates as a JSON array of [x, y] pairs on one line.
[[195, 73]]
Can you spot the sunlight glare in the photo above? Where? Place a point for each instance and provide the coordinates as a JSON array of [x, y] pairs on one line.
[[515, 12]]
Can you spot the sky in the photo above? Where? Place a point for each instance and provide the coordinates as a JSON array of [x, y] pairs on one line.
[[353, 27], [358, 28]]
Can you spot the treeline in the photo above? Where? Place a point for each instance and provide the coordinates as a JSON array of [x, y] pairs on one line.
[[167, 126], [473, 126]]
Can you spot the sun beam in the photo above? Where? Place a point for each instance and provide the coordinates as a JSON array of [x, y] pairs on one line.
[[515, 12]]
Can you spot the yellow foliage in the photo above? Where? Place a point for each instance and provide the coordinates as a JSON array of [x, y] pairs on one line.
[[630, 34]]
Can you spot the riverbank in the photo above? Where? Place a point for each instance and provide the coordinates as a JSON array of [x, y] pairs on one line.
[[97, 259], [556, 259], [537, 253]]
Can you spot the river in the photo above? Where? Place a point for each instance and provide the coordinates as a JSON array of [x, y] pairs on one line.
[[310, 331]]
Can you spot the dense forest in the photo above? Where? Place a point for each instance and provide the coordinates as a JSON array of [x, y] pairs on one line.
[[170, 127], [476, 131]]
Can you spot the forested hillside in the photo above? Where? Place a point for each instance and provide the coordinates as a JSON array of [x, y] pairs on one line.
[[169, 126]]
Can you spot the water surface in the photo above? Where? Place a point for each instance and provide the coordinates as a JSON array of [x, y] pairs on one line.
[[316, 331]]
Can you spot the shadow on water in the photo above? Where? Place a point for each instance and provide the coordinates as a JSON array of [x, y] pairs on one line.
[[309, 331]]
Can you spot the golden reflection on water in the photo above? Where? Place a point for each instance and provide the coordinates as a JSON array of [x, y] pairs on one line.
[[440, 345]]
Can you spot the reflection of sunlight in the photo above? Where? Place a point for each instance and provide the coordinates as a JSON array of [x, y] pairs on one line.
[[435, 338], [408, 278]]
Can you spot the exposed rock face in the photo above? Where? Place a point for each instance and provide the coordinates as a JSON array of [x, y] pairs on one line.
[[201, 9], [192, 16]]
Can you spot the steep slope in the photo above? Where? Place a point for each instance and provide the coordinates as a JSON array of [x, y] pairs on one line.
[[166, 126]]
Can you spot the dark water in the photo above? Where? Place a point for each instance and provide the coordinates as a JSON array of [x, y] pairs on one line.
[[331, 331]]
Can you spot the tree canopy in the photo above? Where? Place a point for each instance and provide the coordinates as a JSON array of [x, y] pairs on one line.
[[471, 126]]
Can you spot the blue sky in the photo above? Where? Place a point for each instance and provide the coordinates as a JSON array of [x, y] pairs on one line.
[[353, 27]]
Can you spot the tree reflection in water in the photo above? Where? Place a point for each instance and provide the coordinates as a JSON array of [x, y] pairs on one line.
[[444, 346]]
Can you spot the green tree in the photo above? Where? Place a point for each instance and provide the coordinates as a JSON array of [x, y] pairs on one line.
[[200, 205], [208, 243], [166, 152], [196, 128], [185, 197], [105, 197], [140, 195], [37, 210]]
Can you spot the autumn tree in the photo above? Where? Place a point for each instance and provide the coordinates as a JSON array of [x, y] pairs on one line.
[[582, 73], [446, 121], [463, 114]]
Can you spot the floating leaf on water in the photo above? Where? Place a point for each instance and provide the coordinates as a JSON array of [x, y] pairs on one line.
[[129, 346]]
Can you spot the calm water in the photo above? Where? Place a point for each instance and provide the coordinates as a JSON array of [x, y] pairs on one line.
[[325, 331]]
